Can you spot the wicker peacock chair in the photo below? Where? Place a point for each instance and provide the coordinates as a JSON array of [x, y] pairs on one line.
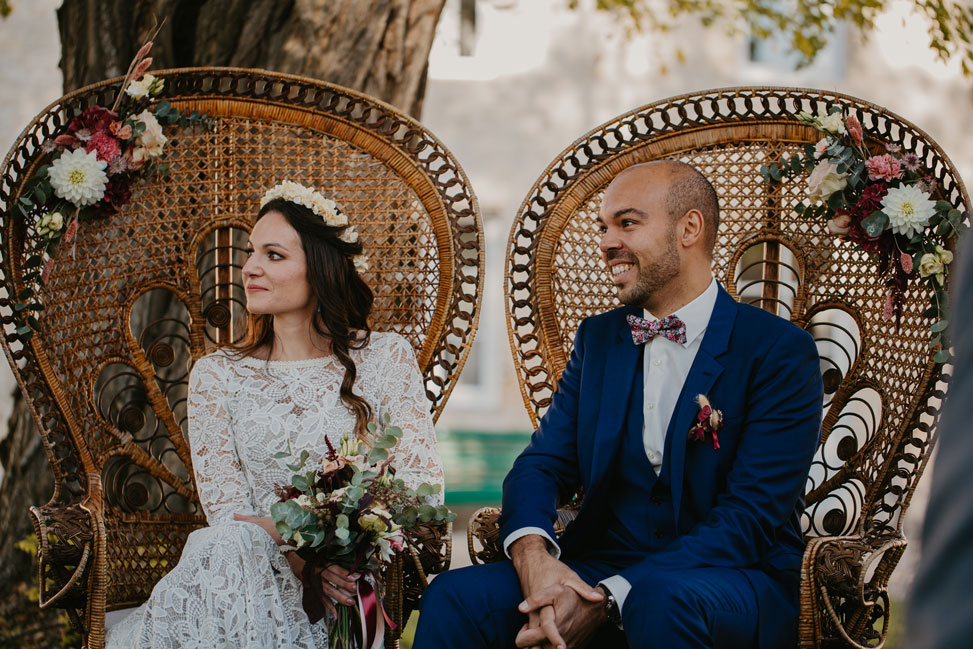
[[143, 294], [883, 388]]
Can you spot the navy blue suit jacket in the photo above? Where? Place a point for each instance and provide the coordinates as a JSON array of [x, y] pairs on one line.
[[736, 506]]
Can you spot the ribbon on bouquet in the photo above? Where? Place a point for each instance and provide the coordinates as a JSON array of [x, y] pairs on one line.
[[372, 616]]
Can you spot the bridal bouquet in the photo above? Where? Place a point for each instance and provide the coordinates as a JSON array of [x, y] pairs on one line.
[[884, 202], [352, 511]]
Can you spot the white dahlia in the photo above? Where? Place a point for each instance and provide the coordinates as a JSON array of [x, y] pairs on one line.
[[79, 176], [360, 262], [908, 209]]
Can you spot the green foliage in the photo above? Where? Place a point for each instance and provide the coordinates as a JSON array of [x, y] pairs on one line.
[[807, 24]]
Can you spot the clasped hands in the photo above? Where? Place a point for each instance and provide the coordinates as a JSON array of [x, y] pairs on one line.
[[336, 581], [562, 610]]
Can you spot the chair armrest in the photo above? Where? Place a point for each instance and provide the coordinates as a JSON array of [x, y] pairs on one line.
[[484, 531], [844, 589], [428, 551], [65, 538]]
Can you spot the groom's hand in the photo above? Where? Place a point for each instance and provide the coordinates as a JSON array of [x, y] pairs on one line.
[[545, 579], [578, 612]]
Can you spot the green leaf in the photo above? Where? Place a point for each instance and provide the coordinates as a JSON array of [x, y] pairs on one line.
[[24, 331], [34, 261], [775, 172], [341, 533], [26, 201], [34, 323], [377, 455], [876, 223], [317, 538], [299, 482], [280, 455], [163, 108], [41, 194], [800, 207], [372, 427], [797, 164], [43, 171], [386, 441], [25, 293], [955, 217], [395, 431], [425, 490], [836, 201], [426, 513], [943, 206], [939, 326], [942, 356]]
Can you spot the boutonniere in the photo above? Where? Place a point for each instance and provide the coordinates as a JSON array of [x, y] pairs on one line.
[[708, 421]]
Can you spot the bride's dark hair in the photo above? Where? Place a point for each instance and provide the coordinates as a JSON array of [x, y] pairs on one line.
[[342, 299]]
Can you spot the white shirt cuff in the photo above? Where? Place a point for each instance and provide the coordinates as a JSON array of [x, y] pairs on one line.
[[552, 547], [619, 587]]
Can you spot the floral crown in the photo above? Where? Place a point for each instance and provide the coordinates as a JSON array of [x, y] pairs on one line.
[[323, 207]]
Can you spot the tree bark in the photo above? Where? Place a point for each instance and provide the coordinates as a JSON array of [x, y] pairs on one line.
[[380, 47]]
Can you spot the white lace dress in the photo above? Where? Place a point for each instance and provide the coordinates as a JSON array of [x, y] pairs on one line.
[[232, 588]]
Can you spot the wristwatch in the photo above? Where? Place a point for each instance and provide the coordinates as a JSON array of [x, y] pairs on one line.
[[611, 607]]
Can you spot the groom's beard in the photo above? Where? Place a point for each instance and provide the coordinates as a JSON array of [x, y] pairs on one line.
[[651, 276]]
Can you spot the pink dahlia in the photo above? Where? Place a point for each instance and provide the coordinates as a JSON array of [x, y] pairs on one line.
[[883, 167], [107, 147]]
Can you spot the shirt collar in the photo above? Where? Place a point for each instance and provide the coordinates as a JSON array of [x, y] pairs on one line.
[[696, 314]]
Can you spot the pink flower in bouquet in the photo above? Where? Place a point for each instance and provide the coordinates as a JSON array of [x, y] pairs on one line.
[[107, 147], [906, 261], [821, 147], [883, 167], [911, 162], [854, 129], [66, 141], [336, 464], [120, 130], [840, 223]]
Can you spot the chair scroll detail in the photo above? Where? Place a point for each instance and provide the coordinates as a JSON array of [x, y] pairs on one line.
[[882, 388], [135, 299]]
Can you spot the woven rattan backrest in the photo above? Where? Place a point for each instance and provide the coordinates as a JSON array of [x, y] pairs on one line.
[[882, 387], [108, 387]]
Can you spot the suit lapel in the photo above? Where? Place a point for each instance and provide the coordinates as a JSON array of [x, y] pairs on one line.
[[621, 363], [706, 369]]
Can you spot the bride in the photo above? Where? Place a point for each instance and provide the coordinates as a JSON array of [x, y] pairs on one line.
[[309, 368]]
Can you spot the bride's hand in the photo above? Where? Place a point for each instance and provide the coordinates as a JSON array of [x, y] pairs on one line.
[[339, 584], [266, 523]]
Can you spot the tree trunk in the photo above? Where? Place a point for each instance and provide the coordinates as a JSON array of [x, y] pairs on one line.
[[377, 46], [380, 47]]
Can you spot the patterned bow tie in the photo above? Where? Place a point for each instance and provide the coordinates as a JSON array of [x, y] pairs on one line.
[[669, 327]]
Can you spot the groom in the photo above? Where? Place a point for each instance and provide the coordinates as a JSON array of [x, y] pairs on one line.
[[689, 533]]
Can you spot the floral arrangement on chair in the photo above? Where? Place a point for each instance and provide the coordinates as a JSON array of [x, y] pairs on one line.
[[352, 511], [883, 203], [92, 163]]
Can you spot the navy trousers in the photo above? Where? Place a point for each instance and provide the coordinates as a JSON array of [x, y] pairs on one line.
[[476, 607]]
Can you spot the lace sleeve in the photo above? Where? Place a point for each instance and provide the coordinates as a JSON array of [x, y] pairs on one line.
[[404, 400], [222, 486]]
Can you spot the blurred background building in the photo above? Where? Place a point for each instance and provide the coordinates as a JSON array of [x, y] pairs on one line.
[[511, 84]]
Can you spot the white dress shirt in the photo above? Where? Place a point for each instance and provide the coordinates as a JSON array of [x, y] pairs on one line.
[[665, 366]]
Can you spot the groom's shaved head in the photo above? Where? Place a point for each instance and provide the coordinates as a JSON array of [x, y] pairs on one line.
[[688, 189]]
